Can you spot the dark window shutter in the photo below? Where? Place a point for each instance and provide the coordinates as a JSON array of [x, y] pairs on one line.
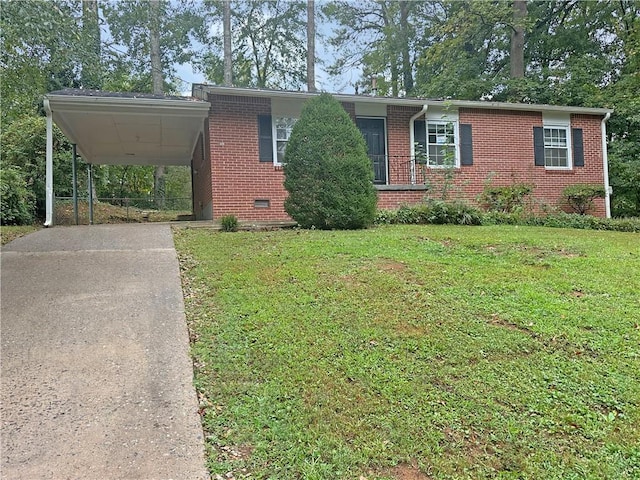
[[420, 134], [265, 138], [578, 148], [538, 146], [466, 144]]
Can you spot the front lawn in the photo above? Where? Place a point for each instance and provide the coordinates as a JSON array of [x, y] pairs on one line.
[[416, 352]]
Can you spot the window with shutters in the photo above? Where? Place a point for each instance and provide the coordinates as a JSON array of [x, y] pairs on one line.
[[437, 143], [282, 127], [556, 147], [441, 144]]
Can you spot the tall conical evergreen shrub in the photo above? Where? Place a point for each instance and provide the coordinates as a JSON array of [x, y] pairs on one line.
[[327, 171]]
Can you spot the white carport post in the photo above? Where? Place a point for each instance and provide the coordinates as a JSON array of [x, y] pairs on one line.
[[49, 169]]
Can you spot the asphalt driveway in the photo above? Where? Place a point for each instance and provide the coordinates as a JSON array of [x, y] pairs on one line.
[[96, 380]]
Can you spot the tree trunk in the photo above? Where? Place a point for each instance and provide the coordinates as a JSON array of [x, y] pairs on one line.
[[91, 72], [226, 22], [311, 46], [154, 47], [517, 39], [157, 89], [407, 70]]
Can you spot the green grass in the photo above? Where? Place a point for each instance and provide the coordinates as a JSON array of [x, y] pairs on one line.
[[427, 352], [9, 233]]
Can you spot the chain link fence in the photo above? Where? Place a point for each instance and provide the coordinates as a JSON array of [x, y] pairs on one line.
[[122, 210]]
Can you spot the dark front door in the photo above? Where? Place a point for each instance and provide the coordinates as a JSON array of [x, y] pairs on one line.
[[372, 130]]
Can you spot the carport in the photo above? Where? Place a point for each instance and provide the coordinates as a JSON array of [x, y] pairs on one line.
[[123, 129]]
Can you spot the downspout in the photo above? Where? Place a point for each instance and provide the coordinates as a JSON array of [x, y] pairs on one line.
[[48, 222], [412, 139], [605, 167]]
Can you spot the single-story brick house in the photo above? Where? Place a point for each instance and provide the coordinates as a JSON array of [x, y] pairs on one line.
[[237, 162], [235, 138]]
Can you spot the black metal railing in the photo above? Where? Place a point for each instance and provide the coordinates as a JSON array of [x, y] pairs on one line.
[[400, 170]]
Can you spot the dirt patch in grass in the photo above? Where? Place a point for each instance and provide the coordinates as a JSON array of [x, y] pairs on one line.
[[409, 330], [390, 265], [556, 342], [405, 471], [235, 452], [501, 322], [532, 251]]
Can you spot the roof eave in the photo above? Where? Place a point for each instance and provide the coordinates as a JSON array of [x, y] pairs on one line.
[[200, 89]]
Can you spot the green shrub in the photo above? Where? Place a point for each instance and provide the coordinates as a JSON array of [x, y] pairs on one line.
[[505, 199], [17, 203], [580, 196], [229, 223], [327, 171], [407, 214], [563, 220], [503, 218], [432, 212], [457, 213], [385, 217], [24, 146]]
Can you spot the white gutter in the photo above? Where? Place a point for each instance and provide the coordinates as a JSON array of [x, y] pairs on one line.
[[412, 139], [605, 167], [49, 168]]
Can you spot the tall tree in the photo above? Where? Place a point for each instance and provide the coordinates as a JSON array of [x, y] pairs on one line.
[[157, 88], [378, 38], [228, 53], [34, 59], [155, 15], [156, 34], [269, 43], [516, 57], [129, 24], [404, 34], [311, 46], [91, 63]]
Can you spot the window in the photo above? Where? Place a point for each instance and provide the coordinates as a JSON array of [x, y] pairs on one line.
[[556, 147], [441, 144], [282, 127]]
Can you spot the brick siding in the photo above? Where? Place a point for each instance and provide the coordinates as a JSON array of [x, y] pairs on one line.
[[237, 175], [502, 154]]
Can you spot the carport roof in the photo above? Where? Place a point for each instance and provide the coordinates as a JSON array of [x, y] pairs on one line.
[[129, 128]]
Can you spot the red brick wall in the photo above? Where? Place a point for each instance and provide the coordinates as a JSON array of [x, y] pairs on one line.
[[391, 199], [502, 154], [237, 175], [350, 108]]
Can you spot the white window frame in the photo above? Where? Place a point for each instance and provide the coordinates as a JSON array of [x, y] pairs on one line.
[[567, 130], [456, 141], [275, 120]]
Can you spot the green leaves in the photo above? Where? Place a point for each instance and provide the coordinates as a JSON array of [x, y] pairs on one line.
[[268, 40], [327, 171]]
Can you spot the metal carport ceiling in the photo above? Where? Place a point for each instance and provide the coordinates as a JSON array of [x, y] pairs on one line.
[[129, 129]]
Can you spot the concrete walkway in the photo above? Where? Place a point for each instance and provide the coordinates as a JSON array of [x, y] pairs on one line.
[[96, 379]]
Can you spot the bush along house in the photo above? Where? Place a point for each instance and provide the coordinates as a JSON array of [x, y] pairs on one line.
[[418, 148]]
